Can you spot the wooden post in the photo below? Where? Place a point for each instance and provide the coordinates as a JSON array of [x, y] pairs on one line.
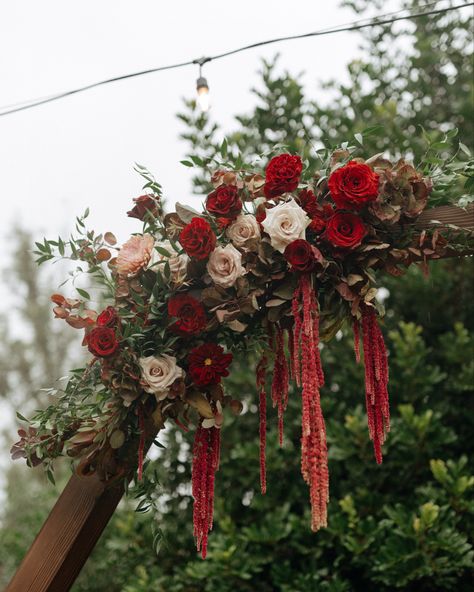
[[86, 505]]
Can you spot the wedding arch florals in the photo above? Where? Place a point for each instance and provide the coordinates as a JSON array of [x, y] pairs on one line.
[[278, 261]]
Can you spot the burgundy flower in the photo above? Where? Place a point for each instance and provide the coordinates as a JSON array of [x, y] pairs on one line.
[[302, 256], [143, 205], [224, 201], [102, 342], [208, 364], [189, 312], [107, 318], [198, 239], [282, 175]]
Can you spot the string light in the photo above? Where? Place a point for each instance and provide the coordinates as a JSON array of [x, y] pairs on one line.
[[202, 87]]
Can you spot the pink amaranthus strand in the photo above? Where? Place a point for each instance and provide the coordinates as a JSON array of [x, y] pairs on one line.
[[280, 382], [314, 463], [206, 453], [376, 380]]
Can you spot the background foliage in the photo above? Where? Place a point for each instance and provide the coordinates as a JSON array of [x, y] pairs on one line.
[[405, 525]]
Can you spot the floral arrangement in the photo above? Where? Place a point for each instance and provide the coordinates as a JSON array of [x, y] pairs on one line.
[[275, 263]]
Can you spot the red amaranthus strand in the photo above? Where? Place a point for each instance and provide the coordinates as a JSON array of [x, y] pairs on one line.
[[376, 380], [314, 464], [280, 382], [206, 452], [356, 331], [262, 407]]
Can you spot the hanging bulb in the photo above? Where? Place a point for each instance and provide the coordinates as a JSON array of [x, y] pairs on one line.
[[203, 94]]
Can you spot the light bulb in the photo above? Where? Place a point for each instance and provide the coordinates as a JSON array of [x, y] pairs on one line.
[[203, 94]]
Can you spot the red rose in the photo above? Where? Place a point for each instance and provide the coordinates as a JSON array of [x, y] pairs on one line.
[[102, 342], [353, 185], [208, 363], [345, 230], [302, 256], [224, 201], [143, 205], [198, 239], [282, 174], [189, 312], [107, 318]]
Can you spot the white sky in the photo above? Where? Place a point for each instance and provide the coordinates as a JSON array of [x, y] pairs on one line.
[[60, 158]]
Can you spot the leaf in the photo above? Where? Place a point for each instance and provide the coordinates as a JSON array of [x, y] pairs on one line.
[[186, 213], [186, 163], [359, 138], [83, 293], [110, 239], [199, 402]]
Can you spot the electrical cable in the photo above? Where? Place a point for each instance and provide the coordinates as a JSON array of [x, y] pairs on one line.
[[354, 26]]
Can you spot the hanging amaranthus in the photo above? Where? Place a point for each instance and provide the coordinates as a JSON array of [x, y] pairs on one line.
[[206, 453], [314, 465], [280, 382], [262, 407], [376, 380]]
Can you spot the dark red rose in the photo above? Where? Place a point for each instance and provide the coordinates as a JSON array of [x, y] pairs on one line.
[[345, 230], [223, 223], [198, 239], [302, 256], [208, 364], [282, 174], [353, 185], [143, 205], [189, 312], [102, 342], [107, 318], [224, 201], [308, 202]]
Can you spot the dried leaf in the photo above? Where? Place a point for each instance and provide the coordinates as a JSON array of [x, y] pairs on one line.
[[110, 239]]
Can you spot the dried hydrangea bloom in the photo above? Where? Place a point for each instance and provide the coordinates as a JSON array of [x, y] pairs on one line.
[[135, 255]]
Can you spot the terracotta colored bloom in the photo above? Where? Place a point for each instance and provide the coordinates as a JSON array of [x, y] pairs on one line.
[[345, 230], [197, 238], [135, 254], [302, 256], [282, 175], [107, 318], [143, 205], [208, 364], [353, 185], [224, 201], [189, 312], [102, 342]]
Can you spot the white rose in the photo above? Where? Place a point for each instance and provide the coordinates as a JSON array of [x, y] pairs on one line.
[[178, 263], [285, 223], [159, 373], [225, 266], [244, 231]]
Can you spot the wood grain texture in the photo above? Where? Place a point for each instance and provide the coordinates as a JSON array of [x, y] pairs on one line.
[[463, 218], [67, 537], [86, 504]]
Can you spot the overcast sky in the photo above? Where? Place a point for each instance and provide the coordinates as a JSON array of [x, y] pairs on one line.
[[60, 158]]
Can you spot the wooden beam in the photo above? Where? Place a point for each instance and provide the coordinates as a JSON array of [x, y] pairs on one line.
[[86, 505], [447, 215], [67, 537]]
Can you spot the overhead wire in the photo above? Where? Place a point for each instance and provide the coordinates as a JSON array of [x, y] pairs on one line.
[[380, 20]]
